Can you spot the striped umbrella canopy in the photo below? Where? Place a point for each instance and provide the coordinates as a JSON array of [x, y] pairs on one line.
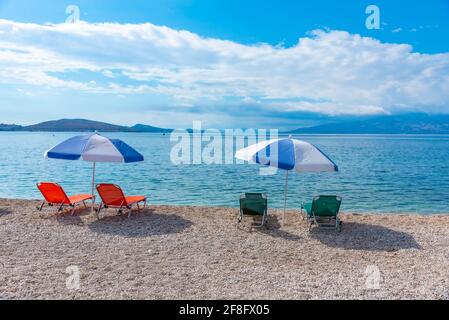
[[94, 148], [289, 155]]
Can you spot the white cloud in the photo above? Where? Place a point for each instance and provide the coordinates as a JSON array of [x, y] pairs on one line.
[[24, 92], [332, 72], [108, 74]]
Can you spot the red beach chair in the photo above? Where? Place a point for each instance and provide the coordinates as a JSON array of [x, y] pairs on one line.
[[55, 195], [112, 196]]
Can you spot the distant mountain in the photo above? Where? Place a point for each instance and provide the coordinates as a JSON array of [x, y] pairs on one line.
[[81, 125], [74, 125], [417, 123], [10, 127], [146, 128]]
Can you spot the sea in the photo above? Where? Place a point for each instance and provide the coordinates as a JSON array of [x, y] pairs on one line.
[[377, 173]]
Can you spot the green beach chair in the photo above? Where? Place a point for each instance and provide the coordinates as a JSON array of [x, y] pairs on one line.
[[254, 204], [323, 212]]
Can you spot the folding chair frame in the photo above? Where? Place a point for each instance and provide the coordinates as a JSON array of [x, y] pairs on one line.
[[264, 216], [60, 206], [119, 209], [330, 222], [122, 206]]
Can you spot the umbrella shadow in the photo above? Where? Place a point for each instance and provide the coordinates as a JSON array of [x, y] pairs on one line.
[[274, 230], [5, 211], [141, 225], [65, 216], [49, 212], [357, 236], [68, 219]]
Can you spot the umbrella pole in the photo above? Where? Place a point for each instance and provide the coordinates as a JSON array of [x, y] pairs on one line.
[[285, 196], [93, 189]]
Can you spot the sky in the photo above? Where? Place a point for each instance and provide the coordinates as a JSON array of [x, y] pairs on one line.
[[227, 63]]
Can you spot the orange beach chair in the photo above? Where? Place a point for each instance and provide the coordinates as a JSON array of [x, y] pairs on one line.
[[55, 195], [112, 196]]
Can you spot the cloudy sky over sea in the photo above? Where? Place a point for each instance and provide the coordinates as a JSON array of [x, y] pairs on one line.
[[228, 63]]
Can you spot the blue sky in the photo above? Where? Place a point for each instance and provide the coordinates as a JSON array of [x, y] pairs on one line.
[[234, 64], [253, 21]]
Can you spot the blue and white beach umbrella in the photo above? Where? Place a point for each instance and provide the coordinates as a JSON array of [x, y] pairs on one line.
[[290, 155], [94, 148]]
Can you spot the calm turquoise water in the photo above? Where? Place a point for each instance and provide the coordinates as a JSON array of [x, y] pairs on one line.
[[377, 173]]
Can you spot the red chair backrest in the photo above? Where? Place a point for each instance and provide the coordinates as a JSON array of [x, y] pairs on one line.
[[53, 193], [111, 195]]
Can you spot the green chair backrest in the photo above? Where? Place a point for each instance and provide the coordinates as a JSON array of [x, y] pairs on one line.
[[326, 206], [253, 203]]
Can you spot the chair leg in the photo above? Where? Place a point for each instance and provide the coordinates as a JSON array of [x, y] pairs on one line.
[[60, 207], [338, 224], [41, 206], [99, 209], [120, 209], [264, 219], [310, 223], [139, 208], [72, 212], [315, 221]]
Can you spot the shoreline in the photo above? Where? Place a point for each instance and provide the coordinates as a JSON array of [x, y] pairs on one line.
[[272, 209], [185, 252]]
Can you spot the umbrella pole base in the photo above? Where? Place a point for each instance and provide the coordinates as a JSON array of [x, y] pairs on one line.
[[285, 199]]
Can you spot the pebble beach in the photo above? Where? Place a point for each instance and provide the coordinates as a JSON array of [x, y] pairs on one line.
[[186, 252]]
